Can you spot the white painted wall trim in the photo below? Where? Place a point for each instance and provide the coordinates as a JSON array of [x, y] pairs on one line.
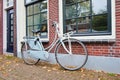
[[98, 63], [4, 27], [104, 37], [20, 23]]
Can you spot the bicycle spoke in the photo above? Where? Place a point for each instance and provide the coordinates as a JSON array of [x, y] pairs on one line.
[[74, 61]]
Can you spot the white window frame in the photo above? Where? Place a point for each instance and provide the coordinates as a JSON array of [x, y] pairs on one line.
[[111, 37]]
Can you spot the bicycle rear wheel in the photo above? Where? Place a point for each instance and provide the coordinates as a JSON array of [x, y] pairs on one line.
[[73, 61], [28, 59]]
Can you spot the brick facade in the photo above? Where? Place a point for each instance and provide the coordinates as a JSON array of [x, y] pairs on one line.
[[96, 48], [107, 48], [15, 31], [1, 26], [99, 48], [53, 15]]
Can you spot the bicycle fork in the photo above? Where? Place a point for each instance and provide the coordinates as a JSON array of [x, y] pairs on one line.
[[69, 50]]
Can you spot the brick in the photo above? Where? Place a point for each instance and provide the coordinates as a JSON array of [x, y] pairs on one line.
[[1, 26]]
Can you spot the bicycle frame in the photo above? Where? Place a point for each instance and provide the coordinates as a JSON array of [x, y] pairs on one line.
[[65, 54], [44, 52], [57, 40]]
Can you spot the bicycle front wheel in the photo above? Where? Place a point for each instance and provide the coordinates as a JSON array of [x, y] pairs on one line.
[[28, 59], [77, 56]]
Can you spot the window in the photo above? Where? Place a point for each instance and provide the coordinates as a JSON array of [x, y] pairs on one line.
[[9, 3], [37, 18], [87, 17]]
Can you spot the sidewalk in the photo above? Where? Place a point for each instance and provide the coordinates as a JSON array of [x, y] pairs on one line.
[[15, 69]]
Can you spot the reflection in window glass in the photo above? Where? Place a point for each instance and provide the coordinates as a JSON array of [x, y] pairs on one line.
[[70, 11], [36, 27], [37, 17], [43, 6], [29, 30], [99, 23], [83, 9], [83, 24], [37, 8], [30, 20], [30, 10], [43, 17], [99, 7], [87, 16], [43, 28], [73, 1], [70, 25]]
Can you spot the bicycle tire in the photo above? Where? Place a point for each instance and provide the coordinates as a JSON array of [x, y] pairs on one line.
[[73, 61], [26, 57]]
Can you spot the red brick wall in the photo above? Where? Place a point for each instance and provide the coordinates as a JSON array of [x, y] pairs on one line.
[[94, 48], [108, 48], [1, 26], [15, 30], [53, 15]]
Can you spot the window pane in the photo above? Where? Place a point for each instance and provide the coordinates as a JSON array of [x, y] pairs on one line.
[[99, 7], [11, 27], [12, 39], [30, 20], [70, 25], [43, 17], [43, 6], [71, 11], [37, 8], [99, 23], [11, 22], [11, 16], [83, 24], [44, 33], [29, 29], [11, 33], [74, 1], [30, 10], [36, 19], [83, 9], [43, 28], [37, 27]]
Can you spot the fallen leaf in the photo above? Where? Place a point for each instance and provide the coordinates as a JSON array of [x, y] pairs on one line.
[[54, 69], [82, 70], [44, 67], [8, 62], [17, 64], [48, 70], [99, 79], [10, 70]]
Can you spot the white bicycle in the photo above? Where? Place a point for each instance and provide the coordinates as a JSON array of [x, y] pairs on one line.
[[70, 53]]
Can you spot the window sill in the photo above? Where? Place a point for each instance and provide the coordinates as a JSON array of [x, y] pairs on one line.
[[98, 40], [45, 40]]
